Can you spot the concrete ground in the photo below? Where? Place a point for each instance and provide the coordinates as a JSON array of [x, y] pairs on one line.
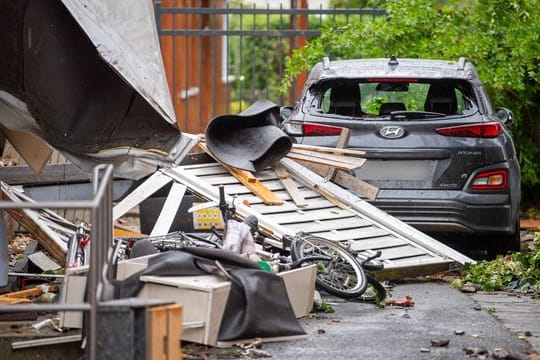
[[495, 323], [358, 331]]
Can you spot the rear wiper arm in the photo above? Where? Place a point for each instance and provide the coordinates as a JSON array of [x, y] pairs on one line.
[[401, 115]]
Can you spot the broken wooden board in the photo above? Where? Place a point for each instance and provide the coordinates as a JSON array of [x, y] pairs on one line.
[[339, 162], [43, 262], [342, 142], [329, 149], [403, 250], [168, 212], [346, 180], [250, 181], [52, 235], [155, 182], [290, 186]]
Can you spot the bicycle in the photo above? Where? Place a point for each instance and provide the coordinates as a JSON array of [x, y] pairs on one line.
[[338, 272]]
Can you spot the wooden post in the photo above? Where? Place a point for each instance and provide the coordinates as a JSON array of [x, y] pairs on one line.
[[164, 330]]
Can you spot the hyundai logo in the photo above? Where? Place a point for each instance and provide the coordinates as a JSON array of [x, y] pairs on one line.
[[392, 132]]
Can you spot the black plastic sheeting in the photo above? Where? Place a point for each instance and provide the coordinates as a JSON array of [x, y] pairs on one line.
[[258, 305], [80, 103], [251, 140]]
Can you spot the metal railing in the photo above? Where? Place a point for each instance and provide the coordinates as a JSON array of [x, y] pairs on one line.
[[222, 59], [101, 235]]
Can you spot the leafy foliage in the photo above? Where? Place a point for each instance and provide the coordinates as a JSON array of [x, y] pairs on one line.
[[501, 37], [518, 270]]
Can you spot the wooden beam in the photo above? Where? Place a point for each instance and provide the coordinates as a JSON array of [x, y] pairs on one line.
[[329, 149], [342, 143], [141, 193], [317, 160], [348, 161], [253, 184], [169, 210], [51, 174], [346, 180], [249, 181], [290, 186]]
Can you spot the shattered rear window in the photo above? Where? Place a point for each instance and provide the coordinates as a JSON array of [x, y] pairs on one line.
[[380, 97]]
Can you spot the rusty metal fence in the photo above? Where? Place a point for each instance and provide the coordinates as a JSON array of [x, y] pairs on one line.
[[220, 59]]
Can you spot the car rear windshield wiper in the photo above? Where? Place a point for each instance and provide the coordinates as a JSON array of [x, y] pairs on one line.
[[408, 115]]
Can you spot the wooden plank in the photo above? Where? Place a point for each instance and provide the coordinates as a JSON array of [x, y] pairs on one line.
[[169, 210], [144, 191], [43, 235], [239, 189], [530, 224], [323, 157], [346, 180], [307, 193], [342, 143], [26, 293], [355, 184], [51, 174], [43, 262], [157, 334], [290, 186], [329, 149], [338, 164], [250, 181], [255, 186], [174, 323], [13, 300]]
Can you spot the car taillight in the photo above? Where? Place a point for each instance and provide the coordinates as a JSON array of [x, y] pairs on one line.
[[311, 129], [481, 130], [491, 180]]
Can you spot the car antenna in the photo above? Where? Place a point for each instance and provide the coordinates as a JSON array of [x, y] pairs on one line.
[[326, 63], [393, 61]]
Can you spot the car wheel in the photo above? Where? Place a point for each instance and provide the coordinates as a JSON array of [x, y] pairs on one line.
[[503, 244]]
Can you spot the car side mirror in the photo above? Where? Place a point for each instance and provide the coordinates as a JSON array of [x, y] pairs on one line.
[[285, 112], [505, 115]]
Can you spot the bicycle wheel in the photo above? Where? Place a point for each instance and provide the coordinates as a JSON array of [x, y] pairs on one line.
[[340, 275]]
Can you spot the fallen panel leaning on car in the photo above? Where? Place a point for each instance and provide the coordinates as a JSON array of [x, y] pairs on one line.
[[441, 155]]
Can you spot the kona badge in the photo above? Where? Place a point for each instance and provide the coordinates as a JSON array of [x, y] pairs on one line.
[[392, 132]]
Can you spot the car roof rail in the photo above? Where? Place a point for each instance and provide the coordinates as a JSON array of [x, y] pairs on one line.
[[326, 62], [461, 63]]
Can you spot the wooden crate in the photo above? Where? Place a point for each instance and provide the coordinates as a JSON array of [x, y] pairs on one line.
[[163, 333]]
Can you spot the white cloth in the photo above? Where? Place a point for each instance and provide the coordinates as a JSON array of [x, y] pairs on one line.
[[238, 239]]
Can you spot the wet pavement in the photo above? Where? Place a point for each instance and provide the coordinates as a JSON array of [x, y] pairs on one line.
[[492, 322], [440, 313]]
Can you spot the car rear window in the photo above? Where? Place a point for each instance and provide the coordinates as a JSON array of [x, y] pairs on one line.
[[380, 97]]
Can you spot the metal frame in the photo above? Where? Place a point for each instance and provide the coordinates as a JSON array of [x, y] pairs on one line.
[[195, 26], [102, 235]]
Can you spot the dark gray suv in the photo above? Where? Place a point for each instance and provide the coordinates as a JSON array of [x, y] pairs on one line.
[[441, 156]]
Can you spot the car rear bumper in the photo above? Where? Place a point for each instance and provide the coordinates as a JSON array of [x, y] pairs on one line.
[[450, 211]]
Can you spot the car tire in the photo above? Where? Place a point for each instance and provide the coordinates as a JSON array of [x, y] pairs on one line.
[[504, 244]]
